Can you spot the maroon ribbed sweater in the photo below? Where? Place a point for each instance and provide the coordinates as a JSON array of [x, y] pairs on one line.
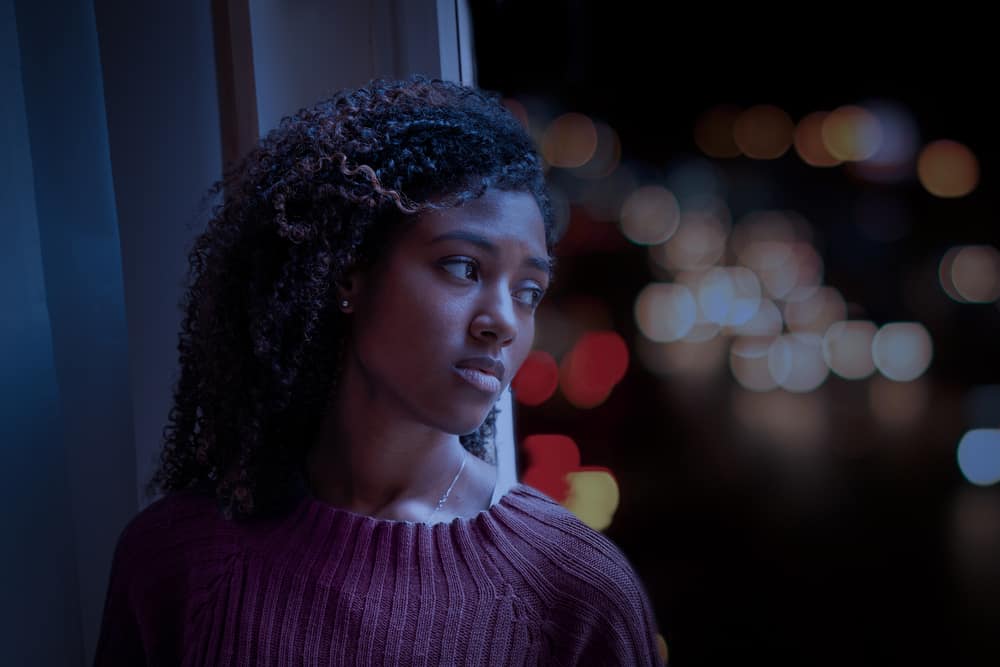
[[522, 583]]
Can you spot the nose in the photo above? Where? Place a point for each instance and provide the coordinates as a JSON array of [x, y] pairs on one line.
[[495, 320]]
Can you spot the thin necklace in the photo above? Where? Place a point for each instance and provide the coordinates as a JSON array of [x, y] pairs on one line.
[[447, 492]]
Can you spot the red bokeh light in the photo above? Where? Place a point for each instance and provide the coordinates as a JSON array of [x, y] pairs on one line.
[[593, 367], [537, 379], [550, 457]]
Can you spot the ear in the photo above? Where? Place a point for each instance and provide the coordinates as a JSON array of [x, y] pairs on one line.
[[349, 289]]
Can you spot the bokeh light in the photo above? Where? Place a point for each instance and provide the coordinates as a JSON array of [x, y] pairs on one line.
[[975, 273], [796, 362], [748, 362], [650, 215], [593, 367], [847, 348], [665, 312], [767, 321], [698, 243], [902, 351], [537, 378], [808, 141], [893, 160], [817, 312], [979, 456], [549, 458], [851, 133], [763, 132], [593, 496], [516, 108], [713, 132], [897, 406], [729, 296], [607, 154], [948, 168], [569, 141]]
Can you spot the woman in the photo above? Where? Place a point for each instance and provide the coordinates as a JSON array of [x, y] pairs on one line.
[[356, 307]]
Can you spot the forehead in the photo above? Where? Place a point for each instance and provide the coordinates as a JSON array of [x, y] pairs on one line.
[[499, 215]]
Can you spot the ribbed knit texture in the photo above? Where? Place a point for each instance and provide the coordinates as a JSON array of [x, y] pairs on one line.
[[522, 583]]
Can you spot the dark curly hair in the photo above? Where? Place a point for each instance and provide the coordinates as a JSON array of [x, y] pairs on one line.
[[261, 337]]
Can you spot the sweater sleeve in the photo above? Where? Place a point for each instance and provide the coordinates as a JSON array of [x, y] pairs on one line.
[[120, 641], [623, 631]]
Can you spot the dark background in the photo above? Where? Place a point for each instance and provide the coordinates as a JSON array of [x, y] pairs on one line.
[[872, 548]]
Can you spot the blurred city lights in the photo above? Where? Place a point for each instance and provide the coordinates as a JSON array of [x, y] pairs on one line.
[[763, 132], [569, 141], [607, 154], [796, 362], [560, 324], [897, 405], [713, 132], [817, 312], [851, 133], [748, 362], [549, 458], [593, 367], [947, 168], [518, 110], [537, 378], [665, 312], [847, 348], [979, 456], [766, 321], [593, 496], [769, 225], [808, 141], [902, 351], [729, 296], [698, 243], [650, 215], [893, 160], [661, 647], [975, 273]]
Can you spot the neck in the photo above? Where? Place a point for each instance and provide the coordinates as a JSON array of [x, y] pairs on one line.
[[373, 461]]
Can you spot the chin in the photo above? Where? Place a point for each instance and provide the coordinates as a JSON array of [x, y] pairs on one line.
[[467, 424]]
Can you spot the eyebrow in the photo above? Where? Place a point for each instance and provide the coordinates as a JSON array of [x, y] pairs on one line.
[[545, 264]]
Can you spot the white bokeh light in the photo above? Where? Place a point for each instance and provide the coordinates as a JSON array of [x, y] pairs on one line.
[[796, 362], [902, 351], [847, 348], [665, 311]]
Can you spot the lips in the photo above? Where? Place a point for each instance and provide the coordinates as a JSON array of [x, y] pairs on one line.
[[483, 373]]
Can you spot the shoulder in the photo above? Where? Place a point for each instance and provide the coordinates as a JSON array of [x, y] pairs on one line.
[[584, 561], [594, 599], [169, 536]]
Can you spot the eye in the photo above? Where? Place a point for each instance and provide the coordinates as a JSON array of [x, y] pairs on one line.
[[530, 296], [464, 268]]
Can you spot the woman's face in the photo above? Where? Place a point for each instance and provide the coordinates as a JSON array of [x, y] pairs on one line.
[[444, 320]]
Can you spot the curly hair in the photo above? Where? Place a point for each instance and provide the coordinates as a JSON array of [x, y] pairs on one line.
[[261, 336]]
